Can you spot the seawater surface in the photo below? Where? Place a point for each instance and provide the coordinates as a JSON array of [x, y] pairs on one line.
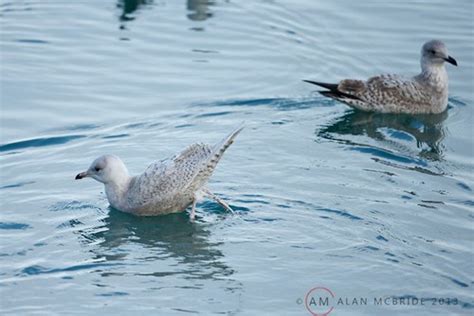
[[365, 205]]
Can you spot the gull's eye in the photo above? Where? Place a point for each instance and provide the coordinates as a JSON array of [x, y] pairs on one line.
[[433, 52], [97, 169]]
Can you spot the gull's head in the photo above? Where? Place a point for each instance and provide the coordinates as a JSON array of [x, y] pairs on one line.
[[435, 53], [106, 169]]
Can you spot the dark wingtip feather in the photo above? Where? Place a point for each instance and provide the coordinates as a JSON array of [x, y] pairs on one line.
[[330, 86], [333, 90], [330, 94]]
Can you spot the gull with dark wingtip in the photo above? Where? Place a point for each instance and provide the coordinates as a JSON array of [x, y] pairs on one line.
[[426, 92]]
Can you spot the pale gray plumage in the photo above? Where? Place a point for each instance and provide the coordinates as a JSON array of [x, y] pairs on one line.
[[167, 186], [425, 93]]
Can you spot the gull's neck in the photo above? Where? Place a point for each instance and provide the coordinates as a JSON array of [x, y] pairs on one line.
[[117, 189], [435, 75]]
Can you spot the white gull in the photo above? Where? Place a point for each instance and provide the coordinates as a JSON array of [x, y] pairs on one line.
[[167, 186]]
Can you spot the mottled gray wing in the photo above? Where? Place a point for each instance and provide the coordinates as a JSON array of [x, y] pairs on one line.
[[387, 90], [166, 179], [207, 168]]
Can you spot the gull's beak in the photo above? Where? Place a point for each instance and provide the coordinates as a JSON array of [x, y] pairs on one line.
[[451, 60], [81, 175]]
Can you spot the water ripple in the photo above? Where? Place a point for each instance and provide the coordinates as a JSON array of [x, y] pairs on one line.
[[38, 270], [39, 142], [17, 185], [14, 226]]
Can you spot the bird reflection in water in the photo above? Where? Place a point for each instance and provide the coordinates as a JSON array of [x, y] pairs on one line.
[[128, 8], [163, 238], [392, 129], [199, 9]]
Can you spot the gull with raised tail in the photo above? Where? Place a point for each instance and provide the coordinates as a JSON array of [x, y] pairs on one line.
[[167, 186], [426, 92]]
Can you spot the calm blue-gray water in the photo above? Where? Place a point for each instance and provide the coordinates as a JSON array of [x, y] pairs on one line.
[[364, 205]]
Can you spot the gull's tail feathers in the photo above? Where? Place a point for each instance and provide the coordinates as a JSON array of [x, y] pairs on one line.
[[333, 92], [349, 99], [329, 86]]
